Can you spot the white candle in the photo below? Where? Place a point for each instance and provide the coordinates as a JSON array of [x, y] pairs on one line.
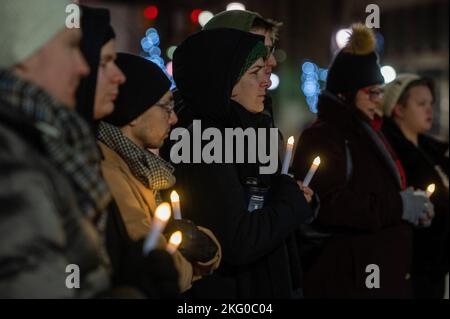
[[430, 190], [312, 171], [288, 155], [162, 215], [174, 242], [175, 199]]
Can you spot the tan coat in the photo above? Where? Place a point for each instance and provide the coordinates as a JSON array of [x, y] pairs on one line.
[[137, 204]]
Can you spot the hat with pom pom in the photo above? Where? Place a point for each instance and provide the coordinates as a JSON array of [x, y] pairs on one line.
[[356, 65]]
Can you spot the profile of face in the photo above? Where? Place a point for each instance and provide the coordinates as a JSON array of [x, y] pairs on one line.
[[270, 62], [152, 127], [368, 100], [109, 78], [250, 90], [417, 113], [60, 55]]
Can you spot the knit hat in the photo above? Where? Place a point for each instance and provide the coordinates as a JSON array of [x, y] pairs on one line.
[[25, 26], [233, 19], [146, 84], [394, 89], [97, 31], [356, 65]]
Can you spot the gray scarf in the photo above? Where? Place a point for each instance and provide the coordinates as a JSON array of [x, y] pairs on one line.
[[151, 170], [66, 137]]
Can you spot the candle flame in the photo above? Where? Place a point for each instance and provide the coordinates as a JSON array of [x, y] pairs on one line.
[[163, 212], [317, 161], [431, 188], [174, 196], [176, 238], [291, 140]]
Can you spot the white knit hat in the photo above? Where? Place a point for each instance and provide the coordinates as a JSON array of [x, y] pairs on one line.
[[26, 25], [393, 90]]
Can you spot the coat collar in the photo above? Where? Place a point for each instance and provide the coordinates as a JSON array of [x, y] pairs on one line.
[[351, 120]]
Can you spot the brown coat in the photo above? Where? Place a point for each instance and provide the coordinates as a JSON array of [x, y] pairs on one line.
[[137, 204], [363, 211]]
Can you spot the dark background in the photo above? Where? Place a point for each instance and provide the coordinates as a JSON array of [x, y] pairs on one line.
[[415, 36]]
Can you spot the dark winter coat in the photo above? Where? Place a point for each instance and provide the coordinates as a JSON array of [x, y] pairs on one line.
[[424, 165], [362, 211], [260, 255], [42, 229]]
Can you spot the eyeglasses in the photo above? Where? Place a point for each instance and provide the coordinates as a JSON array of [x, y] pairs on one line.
[[167, 106], [374, 94]]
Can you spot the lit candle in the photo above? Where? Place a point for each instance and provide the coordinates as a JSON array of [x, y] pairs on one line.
[[174, 242], [175, 199], [430, 190], [162, 215], [288, 155], [312, 171]]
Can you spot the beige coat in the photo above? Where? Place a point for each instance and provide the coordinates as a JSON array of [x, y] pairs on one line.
[[137, 205]]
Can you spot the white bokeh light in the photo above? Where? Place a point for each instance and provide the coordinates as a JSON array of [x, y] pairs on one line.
[[388, 73], [275, 81], [342, 37], [204, 17], [235, 6]]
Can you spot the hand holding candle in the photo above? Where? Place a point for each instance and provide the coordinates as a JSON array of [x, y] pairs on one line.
[[430, 190], [174, 242], [175, 199], [312, 171], [162, 215], [288, 155]]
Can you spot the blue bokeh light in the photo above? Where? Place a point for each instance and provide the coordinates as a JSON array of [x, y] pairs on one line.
[[311, 77], [152, 52], [308, 68]]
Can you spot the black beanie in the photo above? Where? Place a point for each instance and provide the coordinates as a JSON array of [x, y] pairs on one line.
[[145, 85], [356, 65]]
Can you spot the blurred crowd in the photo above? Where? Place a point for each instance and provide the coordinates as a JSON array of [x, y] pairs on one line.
[[85, 166]]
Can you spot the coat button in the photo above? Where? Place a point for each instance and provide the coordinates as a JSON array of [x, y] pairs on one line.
[[407, 276]]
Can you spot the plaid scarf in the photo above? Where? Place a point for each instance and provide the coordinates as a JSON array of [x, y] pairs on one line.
[[151, 170], [66, 138]]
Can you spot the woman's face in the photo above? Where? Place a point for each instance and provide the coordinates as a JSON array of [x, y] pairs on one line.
[[417, 113], [250, 90], [109, 78], [368, 100]]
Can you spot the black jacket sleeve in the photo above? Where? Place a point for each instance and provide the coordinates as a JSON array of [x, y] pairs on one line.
[[213, 196]]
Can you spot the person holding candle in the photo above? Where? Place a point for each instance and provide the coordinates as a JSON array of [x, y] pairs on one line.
[[366, 213], [133, 275], [220, 75], [142, 119], [408, 109]]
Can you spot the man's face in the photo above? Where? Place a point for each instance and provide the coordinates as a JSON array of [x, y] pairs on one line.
[[151, 128], [57, 67], [109, 78], [271, 62]]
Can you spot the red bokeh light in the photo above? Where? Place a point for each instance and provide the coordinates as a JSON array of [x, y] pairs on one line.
[[151, 12], [194, 15]]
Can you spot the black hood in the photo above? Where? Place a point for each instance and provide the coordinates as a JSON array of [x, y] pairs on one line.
[[206, 67], [96, 31]]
